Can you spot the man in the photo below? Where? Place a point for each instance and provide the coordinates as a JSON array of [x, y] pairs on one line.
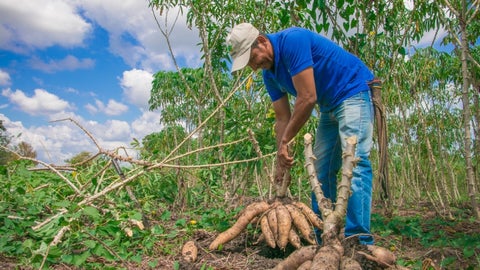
[[315, 70]]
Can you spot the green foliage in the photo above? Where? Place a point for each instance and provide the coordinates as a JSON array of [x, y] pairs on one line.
[[421, 92], [80, 158], [102, 234], [158, 145], [95, 231], [5, 138], [421, 85], [434, 233]]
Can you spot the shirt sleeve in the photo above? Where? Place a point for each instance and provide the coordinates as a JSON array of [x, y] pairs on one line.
[[296, 52], [274, 90]]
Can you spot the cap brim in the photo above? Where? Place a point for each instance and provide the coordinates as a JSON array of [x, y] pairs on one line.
[[241, 61]]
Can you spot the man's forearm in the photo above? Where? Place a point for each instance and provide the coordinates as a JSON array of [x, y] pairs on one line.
[[280, 127], [301, 113]]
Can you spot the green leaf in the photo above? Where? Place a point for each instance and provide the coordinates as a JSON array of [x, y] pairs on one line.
[[157, 229], [21, 190], [153, 264], [166, 215], [62, 204], [137, 258], [67, 258], [55, 252], [28, 244], [80, 259], [136, 216], [354, 23], [468, 252], [90, 243], [91, 211], [181, 222]]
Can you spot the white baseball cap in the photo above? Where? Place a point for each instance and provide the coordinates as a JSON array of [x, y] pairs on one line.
[[241, 39]]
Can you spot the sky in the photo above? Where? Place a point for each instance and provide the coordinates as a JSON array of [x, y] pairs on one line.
[[88, 60], [91, 61]]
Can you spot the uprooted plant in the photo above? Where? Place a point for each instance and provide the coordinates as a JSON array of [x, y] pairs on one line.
[[332, 254], [282, 220]]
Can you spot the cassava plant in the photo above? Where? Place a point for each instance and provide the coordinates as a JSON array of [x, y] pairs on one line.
[[282, 220], [332, 253]]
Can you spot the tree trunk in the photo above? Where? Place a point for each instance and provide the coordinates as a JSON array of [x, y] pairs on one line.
[[467, 114]]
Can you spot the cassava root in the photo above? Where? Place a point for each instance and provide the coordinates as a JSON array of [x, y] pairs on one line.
[[281, 222]]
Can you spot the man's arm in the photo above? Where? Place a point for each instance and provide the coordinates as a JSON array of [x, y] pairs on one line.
[[281, 107], [282, 117], [304, 84]]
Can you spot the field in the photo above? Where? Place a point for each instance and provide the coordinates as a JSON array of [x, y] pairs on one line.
[[418, 237]]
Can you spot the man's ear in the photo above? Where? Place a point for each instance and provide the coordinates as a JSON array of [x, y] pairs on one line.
[[262, 39]]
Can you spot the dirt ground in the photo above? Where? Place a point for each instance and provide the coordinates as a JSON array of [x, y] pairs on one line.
[[242, 253]]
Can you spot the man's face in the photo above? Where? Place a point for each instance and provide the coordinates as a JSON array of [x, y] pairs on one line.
[[261, 56]]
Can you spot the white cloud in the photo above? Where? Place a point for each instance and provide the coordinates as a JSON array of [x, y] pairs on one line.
[[110, 131], [92, 109], [133, 32], [41, 103], [115, 108], [146, 124], [54, 143], [4, 78], [136, 37], [112, 108], [72, 90], [70, 62], [59, 141], [136, 86], [40, 24]]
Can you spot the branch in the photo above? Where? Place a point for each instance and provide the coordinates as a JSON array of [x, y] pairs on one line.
[[473, 60], [260, 155], [344, 188], [452, 9], [57, 239], [126, 180], [48, 220], [324, 204], [44, 164], [204, 149], [164, 165], [476, 9], [201, 124], [82, 128], [167, 35]]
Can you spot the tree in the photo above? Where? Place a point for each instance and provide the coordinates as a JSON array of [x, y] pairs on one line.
[[422, 90], [24, 149], [79, 158], [5, 138], [461, 14]]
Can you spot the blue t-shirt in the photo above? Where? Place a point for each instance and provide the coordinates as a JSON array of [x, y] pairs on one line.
[[338, 73]]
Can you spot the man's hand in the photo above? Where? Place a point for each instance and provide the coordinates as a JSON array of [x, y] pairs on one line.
[[283, 157]]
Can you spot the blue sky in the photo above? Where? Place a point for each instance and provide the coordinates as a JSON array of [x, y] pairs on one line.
[[89, 60]]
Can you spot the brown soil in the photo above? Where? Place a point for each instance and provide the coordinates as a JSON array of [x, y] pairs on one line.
[[243, 253]]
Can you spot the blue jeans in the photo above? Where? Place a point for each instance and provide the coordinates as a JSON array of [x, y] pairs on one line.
[[354, 116]]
